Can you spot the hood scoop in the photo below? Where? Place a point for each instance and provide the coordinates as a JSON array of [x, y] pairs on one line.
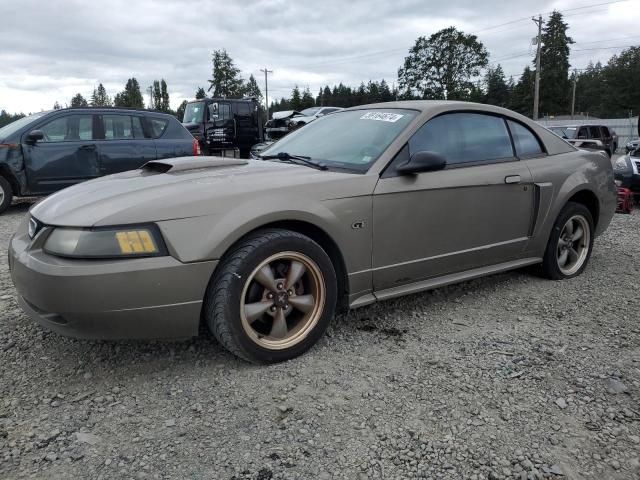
[[172, 165]]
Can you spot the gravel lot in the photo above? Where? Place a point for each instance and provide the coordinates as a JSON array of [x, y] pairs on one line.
[[510, 376]]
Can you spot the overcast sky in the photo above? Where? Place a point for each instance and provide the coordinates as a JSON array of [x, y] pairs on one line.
[[52, 50]]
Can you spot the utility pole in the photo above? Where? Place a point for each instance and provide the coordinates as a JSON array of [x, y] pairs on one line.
[[573, 95], [266, 88], [536, 95]]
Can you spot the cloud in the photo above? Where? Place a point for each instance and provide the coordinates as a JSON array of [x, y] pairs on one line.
[[52, 50]]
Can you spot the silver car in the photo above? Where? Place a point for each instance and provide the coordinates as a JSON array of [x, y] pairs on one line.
[[362, 205]]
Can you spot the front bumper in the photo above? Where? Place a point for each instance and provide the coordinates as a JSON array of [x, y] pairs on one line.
[[147, 298]]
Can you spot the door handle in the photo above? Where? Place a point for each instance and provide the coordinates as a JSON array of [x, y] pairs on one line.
[[512, 179], [88, 147]]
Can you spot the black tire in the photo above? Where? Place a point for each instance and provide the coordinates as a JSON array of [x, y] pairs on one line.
[[222, 302], [550, 265], [6, 194], [608, 152]]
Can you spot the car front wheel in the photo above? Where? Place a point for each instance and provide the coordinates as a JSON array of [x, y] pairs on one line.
[[272, 296], [571, 242], [6, 194]]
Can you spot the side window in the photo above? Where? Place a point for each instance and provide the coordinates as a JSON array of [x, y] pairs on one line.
[[136, 125], [122, 127], [464, 138], [605, 132], [224, 111], [594, 132], [583, 133], [69, 128], [526, 143], [158, 126], [244, 109]]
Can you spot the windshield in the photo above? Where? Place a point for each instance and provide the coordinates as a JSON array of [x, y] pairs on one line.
[[570, 132], [13, 127], [310, 111], [350, 140], [193, 113]]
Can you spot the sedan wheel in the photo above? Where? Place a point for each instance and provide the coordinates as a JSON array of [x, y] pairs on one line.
[[282, 300], [272, 296], [570, 244], [573, 245]]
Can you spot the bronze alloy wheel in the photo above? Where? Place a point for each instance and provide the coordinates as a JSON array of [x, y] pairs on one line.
[[282, 300], [573, 244]]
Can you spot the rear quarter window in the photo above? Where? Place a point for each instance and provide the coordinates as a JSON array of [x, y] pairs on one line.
[[158, 126], [526, 143]]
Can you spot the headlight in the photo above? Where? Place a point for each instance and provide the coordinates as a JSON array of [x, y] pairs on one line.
[[124, 242], [621, 164]]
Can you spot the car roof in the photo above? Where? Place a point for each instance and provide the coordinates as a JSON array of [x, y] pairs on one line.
[[110, 109]]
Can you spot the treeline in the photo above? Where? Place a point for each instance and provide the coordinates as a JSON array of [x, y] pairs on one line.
[[6, 118], [338, 96]]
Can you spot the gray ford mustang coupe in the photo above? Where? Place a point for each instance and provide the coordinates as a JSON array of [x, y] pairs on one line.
[[366, 204]]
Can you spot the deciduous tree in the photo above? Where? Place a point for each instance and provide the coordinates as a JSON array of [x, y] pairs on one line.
[[443, 65]]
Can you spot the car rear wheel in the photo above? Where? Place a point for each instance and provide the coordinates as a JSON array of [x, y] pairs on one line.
[[6, 194], [571, 242], [272, 297]]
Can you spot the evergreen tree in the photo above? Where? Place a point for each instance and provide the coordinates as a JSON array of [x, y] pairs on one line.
[[591, 91], [327, 97], [79, 101], [226, 81], [99, 97], [621, 75], [521, 99], [6, 118], [555, 86], [252, 89], [181, 109], [497, 91], [156, 96], [56, 106], [200, 93], [131, 96], [296, 99], [164, 97], [307, 99], [443, 65]]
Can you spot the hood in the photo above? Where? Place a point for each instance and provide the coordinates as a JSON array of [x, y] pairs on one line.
[[285, 114], [179, 188]]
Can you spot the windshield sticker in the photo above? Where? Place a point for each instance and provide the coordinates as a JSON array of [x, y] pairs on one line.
[[383, 117]]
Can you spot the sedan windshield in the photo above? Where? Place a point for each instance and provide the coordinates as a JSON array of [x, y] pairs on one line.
[[13, 127], [350, 140], [194, 113]]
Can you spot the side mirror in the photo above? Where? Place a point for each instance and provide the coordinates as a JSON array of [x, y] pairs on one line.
[[422, 162], [35, 135]]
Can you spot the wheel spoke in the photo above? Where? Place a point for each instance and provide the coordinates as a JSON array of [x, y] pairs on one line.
[[279, 328], [253, 311], [304, 303], [568, 228], [562, 242], [573, 255], [264, 277], [296, 270], [562, 259], [577, 234]]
